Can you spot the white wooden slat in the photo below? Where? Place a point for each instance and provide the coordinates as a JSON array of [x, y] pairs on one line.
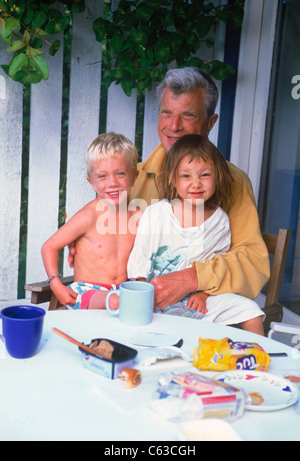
[[121, 111], [44, 164], [85, 82], [150, 136], [251, 101], [261, 98], [244, 99], [10, 179]]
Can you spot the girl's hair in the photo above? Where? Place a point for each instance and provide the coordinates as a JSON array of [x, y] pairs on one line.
[[187, 79], [108, 145], [199, 147]]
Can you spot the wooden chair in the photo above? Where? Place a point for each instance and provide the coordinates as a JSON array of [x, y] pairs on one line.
[[41, 292], [276, 244]]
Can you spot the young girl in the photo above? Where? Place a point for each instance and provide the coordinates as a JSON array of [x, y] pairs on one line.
[[190, 224]]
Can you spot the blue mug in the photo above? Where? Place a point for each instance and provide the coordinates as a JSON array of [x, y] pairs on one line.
[[135, 304], [22, 328]]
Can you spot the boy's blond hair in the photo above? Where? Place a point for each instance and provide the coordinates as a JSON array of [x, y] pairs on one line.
[[107, 145]]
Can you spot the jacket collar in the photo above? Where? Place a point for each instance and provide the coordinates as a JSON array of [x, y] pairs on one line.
[[155, 163]]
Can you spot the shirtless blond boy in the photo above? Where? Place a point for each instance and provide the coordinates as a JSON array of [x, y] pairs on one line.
[[104, 229]]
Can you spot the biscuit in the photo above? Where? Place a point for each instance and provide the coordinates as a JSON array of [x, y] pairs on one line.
[[256, 398]]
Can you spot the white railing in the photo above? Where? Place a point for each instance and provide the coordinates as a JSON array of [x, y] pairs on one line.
[[45, 145], [83, 126]]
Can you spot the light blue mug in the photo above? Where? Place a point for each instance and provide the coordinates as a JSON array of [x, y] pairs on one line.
[[135, 304]]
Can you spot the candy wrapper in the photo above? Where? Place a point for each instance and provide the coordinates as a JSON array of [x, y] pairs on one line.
[[189, 396], [225, 354]]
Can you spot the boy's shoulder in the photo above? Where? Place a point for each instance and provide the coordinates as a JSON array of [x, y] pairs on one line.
[[87, 212]]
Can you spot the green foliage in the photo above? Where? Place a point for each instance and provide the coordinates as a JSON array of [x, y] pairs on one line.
[[144, 36], [25, 25], [140, 39]]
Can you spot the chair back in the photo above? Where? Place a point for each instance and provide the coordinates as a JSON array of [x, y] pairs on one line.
[[277, 245]]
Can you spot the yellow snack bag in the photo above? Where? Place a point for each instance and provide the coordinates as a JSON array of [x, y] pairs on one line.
[[225, 354]]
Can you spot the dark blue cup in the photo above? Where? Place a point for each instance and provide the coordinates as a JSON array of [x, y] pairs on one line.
[[22, 328]]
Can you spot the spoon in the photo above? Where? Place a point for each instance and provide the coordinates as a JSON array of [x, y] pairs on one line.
[[74, 341]]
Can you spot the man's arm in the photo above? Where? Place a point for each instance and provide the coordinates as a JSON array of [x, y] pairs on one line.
[[173, 287]]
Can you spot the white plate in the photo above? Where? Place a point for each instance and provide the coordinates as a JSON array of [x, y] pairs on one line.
[[277, 392], [153, 339]]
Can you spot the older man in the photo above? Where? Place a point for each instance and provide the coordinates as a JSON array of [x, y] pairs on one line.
[[188, 99]]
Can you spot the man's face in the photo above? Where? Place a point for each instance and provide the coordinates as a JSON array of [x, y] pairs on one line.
[[182, 114]]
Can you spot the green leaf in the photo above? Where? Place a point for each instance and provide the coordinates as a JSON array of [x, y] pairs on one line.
[[27, 76], [34, 51], [57, 25], [139, 37], [39, 19], [37, 42], [221, 70], [235, 17], [11, 25], [205, 67], [5, 67], [77, 6], [194, 62], [127, 85], [54, 47], [203, 25], [16, 45], [54, 13], [40, 32], [28, 17], [154, 74], [99, 28], [26, 37], [140, 51], [7, 27], [116, 42], [144, 13], [40, 65], [19, 60], [210, 41], [162, 52]]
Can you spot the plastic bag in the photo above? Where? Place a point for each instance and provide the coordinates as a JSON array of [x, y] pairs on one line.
[[225, 354], [149, 356], [188, 396]]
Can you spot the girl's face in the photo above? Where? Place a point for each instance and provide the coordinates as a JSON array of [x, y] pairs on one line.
[[195, 179], [112, 179]]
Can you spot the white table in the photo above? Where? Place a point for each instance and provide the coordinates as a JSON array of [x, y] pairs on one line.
[[52, 397]]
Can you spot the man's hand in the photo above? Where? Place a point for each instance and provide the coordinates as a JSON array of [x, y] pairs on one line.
[[72, 252], [173, 287]]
